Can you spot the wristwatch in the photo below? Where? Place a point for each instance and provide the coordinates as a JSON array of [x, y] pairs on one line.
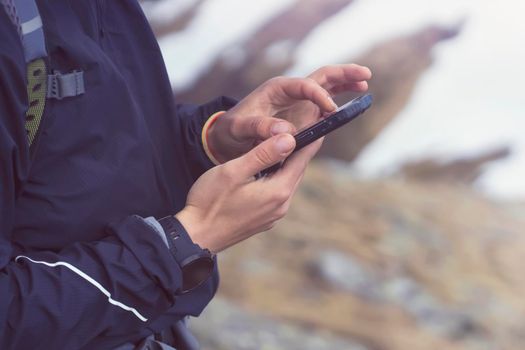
[[195, 263]]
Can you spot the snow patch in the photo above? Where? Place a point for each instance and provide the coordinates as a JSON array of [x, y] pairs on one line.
[[164, 11], [279, 52]]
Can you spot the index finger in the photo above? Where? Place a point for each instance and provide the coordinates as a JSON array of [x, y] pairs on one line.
[[330, 77], [286, 89]]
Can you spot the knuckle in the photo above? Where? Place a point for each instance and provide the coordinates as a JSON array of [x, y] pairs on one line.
[[282, 211], [227, 173], [317, 73], [277, 80], [311, 81], [263, 156], [281, 197], [310, 87], [276, 83], [257, 125], [287, 191]]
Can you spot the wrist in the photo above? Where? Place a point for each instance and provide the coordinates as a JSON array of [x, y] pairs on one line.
[[196, 229], [196, 263]]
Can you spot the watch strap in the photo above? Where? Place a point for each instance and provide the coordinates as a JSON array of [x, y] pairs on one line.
[[179, 242], [195, 263]]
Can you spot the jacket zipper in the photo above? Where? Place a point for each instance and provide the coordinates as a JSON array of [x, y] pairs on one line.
[[100, 24]]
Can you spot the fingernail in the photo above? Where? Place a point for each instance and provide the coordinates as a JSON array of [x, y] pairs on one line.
[[280, 128], [284, 144], [331, 99], [334, 105], [369, 72]]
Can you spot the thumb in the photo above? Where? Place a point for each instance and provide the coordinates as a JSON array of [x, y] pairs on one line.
[[264, 155], [261, 128]]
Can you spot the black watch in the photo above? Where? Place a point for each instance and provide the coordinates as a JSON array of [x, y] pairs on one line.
[[196, 263]]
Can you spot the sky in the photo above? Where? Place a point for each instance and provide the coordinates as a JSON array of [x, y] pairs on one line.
[[470, 100]]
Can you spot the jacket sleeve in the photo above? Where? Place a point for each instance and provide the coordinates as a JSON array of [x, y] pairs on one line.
[[113, 287], [64, 299], [191, 119]]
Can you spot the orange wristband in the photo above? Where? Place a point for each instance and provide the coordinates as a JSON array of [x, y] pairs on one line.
[[204, 135]]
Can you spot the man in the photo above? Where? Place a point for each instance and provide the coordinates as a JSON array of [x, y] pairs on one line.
[[86, 261]]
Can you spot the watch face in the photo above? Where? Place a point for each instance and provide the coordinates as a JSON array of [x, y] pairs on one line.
[[195, 271]]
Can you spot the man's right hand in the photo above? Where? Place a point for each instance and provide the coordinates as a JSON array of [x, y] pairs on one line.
[[227, 205]]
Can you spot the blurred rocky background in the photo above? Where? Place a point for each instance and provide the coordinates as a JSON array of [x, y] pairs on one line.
[[417, 257]]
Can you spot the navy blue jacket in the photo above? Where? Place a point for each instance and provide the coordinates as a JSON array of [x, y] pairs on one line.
[[79, 268]]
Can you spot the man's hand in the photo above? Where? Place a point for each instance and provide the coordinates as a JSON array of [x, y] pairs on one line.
[[227, 205], [282, 105]]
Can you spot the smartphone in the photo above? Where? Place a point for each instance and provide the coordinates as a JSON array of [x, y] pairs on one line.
[[335, 120]]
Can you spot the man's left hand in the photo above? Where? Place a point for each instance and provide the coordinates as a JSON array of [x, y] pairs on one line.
[[282, 105]]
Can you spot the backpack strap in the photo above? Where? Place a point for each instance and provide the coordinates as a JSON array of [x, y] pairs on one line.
[[36, 92], [31, 29], [25, 16]]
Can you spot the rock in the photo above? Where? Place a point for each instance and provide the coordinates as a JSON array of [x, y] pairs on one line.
[[224, 325], [348, 274], [397, 65], [389, 264], [430, 312], [459, 171], [267, 53], [166, 21], [344, 272]]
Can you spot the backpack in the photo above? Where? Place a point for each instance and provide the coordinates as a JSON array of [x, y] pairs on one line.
[[40, 85]]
